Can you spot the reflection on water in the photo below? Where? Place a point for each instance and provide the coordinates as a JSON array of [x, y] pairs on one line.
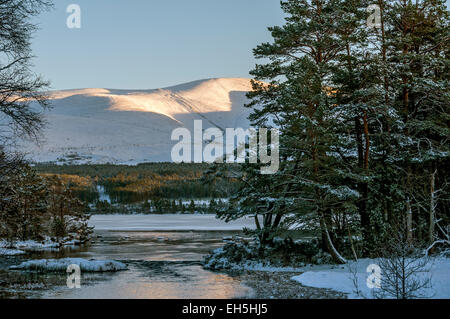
[[161, 265]]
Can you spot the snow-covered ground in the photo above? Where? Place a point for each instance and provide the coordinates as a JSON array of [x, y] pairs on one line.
[[62, 264], [340, 278], [28, 245], [135, 126], [166, 222], [23, 246]]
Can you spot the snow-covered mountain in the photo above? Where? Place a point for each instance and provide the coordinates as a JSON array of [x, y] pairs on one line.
[[133, 126]]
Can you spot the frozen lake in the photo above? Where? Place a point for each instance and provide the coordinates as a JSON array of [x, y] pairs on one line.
[[162, 252], [167, 222]]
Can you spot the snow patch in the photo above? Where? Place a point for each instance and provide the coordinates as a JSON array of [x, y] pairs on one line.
[[45, 245], [31, 245], [62, 264], [340, 278], [10, 252]]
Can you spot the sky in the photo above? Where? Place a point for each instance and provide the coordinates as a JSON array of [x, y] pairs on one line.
[[145, 44]]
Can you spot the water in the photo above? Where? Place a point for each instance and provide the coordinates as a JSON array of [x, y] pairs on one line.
[[162, 264], [168, 222], [103, 195]]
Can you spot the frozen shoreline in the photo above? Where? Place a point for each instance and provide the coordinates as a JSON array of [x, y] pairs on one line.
[[167, 222]]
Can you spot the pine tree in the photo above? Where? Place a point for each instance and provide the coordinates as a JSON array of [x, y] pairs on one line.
[[68, 215], [25, 205], [302, 99], [418, 57], [363, 115]]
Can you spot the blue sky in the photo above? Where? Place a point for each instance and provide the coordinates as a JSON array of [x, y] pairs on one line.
[[143, 44]]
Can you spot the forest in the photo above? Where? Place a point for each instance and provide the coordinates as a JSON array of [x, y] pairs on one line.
[[361, 100], [144, 188]]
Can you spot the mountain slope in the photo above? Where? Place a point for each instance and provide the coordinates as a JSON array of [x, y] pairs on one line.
[[133, 126]]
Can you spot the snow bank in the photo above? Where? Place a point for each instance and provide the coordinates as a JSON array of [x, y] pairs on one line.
[[30, 245], [62, 264], [10, 252], [340, 278]]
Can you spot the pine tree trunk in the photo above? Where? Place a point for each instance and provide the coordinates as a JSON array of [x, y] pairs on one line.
[[432, 207], [258, 226], [383, 51], [331, 249], [409, 231], [363, 162]]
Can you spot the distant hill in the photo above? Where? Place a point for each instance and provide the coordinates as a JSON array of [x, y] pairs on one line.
[[134, 126]]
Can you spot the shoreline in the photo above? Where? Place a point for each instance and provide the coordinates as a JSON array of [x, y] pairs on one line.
[[279, 285]]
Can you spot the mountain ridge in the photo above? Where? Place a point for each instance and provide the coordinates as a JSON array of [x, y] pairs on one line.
[[98, 125]]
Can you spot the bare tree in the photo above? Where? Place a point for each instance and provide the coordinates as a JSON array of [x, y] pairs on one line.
[[405, 272], [22, 100], [443, 240], [19, 86]]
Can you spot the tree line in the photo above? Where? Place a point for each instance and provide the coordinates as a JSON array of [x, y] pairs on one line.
[[127, 185], [36, 207], [363, 115]]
